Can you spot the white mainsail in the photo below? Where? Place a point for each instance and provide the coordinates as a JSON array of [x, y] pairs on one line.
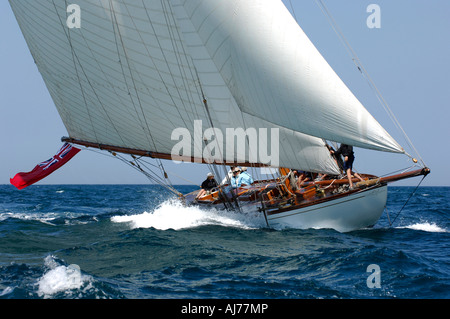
[[137, 70]]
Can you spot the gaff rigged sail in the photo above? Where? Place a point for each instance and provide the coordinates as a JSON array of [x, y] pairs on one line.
[[135, 71]]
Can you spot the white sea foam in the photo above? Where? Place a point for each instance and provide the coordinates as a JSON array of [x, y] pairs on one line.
[[173, 215], [428, 227], [61, 278], [45, 218], [6, 291], [42, 217]]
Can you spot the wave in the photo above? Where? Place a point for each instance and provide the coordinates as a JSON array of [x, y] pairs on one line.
[[173, 215], [62, 279], [51, 218], [42, 217], [428, 227]]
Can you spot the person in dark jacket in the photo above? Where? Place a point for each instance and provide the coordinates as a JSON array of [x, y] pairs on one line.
[[208, 184], [349, 157]]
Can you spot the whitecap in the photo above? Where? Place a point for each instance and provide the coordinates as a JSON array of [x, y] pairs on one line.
[[61, 278], [428, 227], [174, 215], [6, 291]]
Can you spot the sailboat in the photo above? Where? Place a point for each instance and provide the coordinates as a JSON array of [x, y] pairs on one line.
[[144, 78]]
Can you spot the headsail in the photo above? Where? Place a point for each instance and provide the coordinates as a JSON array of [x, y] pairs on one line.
[[274, 72], [137, 70]]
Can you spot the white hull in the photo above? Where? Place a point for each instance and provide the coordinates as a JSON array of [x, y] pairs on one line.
[[352, 212]]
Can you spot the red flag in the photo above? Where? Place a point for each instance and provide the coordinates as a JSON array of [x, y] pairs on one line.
[[22, 180]]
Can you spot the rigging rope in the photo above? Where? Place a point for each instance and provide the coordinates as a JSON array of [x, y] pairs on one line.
[[136, 164], [161, 166], [180, 55], [411, 195]]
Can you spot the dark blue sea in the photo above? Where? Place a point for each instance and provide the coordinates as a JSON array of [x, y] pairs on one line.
[[136, 242]]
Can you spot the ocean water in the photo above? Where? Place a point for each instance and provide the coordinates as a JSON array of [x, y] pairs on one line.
[[135, 242]]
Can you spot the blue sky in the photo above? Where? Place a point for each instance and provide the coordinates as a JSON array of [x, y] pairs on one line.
[[408, 59]]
